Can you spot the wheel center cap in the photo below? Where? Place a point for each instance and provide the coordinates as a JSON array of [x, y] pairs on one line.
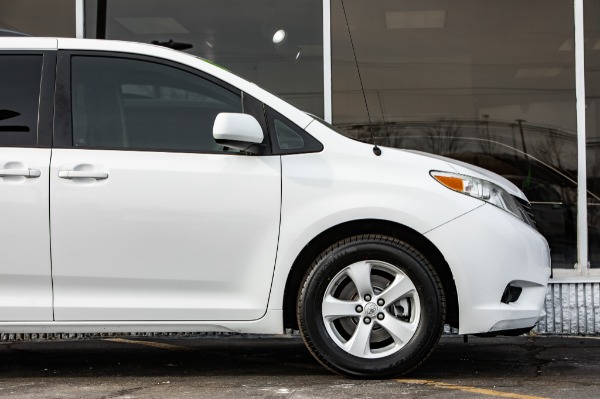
[[371, 309]]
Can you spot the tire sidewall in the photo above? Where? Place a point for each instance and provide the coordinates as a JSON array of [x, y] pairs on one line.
[[407, 260]]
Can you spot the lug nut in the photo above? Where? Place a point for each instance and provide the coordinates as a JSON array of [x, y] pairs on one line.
[[380, 316], [367, 320], [380, 302], [359, 309], [367, 297]]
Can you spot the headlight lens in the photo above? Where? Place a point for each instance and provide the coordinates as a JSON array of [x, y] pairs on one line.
[[480, 189]]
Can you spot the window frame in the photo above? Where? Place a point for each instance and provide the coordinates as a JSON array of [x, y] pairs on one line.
[[63, 123], [45, 105]]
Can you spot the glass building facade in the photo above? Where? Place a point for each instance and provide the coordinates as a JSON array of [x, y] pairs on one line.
[[275, 44], [39, 18], [491, 83]]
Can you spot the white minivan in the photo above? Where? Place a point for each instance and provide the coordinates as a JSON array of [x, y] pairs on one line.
[[144, 189]]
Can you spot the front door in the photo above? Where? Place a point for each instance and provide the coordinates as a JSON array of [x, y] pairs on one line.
[[150, 218]]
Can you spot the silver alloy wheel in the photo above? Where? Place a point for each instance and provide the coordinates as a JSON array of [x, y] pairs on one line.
[[371, 309]]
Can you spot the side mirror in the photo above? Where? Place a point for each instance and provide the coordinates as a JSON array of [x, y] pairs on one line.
[[239, 131]]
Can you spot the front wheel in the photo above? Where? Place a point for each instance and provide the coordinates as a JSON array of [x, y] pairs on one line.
[[371, 306]]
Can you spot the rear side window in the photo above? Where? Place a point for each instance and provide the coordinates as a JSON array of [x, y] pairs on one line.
[[124, 103], [20, 77]]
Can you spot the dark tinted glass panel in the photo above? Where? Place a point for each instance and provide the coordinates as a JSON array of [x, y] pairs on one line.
[[124, 103], [19, 99], [592, 104], [486, 82], [54, 18], [289, 137], [277, 44]]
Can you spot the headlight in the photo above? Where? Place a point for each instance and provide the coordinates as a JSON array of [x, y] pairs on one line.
[[480, 189]]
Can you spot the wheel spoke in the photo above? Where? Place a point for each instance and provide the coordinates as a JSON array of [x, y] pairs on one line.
[[376, 292], [399, 330], [399, 288], [334, 308], [360, 273], [359, 343]]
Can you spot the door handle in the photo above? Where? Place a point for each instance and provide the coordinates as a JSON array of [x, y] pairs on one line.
[[82, 174], [20, 172]]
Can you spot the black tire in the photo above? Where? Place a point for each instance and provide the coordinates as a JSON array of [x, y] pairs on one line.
[[351, 344]]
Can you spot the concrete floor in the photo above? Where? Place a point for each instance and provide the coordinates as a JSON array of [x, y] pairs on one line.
[[231, 367]]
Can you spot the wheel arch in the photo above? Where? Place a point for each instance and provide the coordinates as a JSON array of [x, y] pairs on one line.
[[367, 226]]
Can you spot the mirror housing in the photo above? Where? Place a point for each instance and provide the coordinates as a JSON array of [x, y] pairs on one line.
[[239, 131]]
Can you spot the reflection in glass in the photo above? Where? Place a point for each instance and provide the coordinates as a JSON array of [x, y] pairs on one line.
[[132, 104], [488, 83], [54, 18], [276, 44], [592, 104]]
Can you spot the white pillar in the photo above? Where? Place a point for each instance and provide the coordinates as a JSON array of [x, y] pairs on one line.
[[582, 232], [79, 19], [327, 103]]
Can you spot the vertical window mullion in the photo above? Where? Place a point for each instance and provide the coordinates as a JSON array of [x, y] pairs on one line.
[[582, 232], [79, 19], [327, 114]]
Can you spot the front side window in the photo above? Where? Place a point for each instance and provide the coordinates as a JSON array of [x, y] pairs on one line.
[[132, 104], [19, 98]]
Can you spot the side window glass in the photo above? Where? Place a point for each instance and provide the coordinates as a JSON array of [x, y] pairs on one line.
[[140, 105], [286, 137], [290, 138], [20, 77]]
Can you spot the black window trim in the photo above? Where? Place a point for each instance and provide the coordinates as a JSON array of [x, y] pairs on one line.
[[256, 108], [45, 102], [63, 131]]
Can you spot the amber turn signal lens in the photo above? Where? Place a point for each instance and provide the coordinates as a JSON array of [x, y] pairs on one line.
[[453, 183]]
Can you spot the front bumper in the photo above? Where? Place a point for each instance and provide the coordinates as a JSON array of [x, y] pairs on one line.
[[487, 249]]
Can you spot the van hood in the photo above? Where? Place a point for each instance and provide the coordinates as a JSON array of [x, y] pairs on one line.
[[475, 171]]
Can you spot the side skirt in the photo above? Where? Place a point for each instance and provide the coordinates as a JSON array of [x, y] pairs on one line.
[[270, 323]]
